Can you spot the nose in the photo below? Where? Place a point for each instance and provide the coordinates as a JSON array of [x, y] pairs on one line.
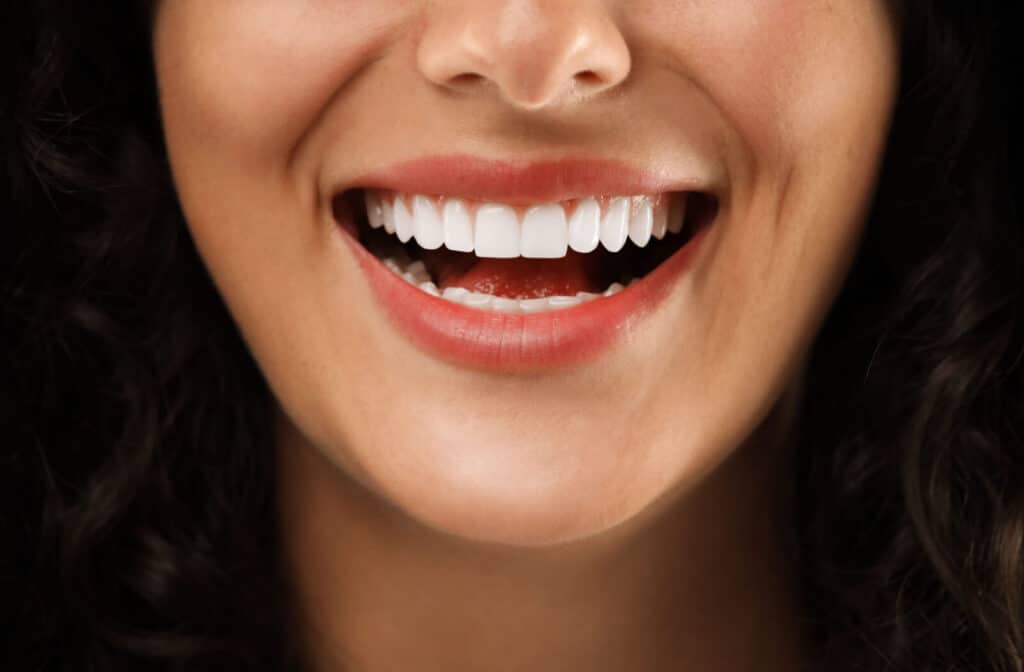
[[536, 53]]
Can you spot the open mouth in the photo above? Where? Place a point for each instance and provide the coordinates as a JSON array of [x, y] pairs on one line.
[[524, 259]]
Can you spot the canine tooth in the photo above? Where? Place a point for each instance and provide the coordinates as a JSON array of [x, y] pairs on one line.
[[613, 289], [563, 301], [497, 232], [374, 212], [615, 225], [676, 214], [659, 226], [387, 214], [586, 296], [430, 288], [427, 225], [641, 223], [545, 232], [585, 226], [404, 225], [458, 227], [505, 305], [533, 305]]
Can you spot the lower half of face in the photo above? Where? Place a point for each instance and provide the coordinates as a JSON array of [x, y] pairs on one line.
[[522, 270]]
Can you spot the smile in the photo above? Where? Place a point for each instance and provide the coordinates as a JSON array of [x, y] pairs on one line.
[[517, 285]]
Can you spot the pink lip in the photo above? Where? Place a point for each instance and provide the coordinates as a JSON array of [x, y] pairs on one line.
[[519, 342], [522, 182]]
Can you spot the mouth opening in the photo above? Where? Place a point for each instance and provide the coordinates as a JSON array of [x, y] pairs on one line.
[[592, 273]]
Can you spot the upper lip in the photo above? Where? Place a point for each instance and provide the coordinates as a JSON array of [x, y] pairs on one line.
[[522, 182]]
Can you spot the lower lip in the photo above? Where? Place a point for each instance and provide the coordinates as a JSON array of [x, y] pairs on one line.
[[516, 342]]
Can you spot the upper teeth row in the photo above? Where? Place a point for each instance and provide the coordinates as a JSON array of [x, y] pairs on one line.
[[545, 231]]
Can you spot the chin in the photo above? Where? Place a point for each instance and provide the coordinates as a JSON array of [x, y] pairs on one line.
[[513, 493]]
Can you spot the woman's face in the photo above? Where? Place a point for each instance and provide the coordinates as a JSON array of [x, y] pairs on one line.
[[755, 125]]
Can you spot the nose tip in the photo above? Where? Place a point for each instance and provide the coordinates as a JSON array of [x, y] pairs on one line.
[[536, 53]]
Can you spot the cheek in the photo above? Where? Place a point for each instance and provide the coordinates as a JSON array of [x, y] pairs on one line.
[[241, 84], [244, 80], [807, 88], [788, 75], [812, 89]]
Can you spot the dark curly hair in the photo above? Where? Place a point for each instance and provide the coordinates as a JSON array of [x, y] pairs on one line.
[[137, 526]]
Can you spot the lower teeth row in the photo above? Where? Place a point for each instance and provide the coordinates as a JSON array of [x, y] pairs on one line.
[[415, 273]]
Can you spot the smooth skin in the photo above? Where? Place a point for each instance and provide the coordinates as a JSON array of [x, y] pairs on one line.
[[632, 513]]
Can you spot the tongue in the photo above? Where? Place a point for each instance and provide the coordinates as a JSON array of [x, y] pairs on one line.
[[518, 278]]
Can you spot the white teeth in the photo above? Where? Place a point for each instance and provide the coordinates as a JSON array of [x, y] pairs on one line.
[[614, 289], [585, 226], [419, 272], [415, 273], [387, 213], [374, 212], [475, 300], [615, 225], [503, 305], [458, 227], [563, 301], [454, 293], [404, 226], [497, 232], [545, 233], [641, 224], [429, 230], [534, 305]]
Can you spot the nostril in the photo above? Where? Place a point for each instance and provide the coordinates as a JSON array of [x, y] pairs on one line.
[[466, 79], [588, 80]]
